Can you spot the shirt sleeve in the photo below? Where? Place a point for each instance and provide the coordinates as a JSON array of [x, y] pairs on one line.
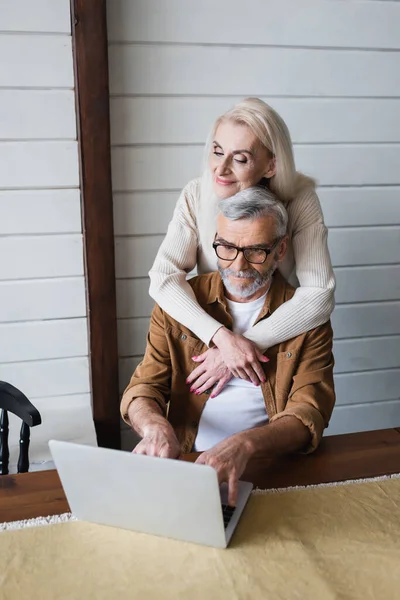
[[152, 377], [176, 257], [312, 395], [313, 302]]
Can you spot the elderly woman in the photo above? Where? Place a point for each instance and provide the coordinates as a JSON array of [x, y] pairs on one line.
[[249, 145]]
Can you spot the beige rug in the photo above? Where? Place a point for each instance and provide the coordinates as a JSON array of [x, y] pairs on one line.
[[326, 542]]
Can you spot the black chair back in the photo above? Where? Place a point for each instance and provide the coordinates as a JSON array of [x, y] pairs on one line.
[[14, 401]]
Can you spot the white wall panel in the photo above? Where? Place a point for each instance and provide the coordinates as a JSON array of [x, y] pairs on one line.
[[132, 335], [358, 284], [40, 379], [37, 114], [224, 70], [36, 61], [187, 120], [42, 299], [373, 386], [134, 213], [39, 340], [369, 245], [171, 167], [359, 320], [35, 15], [21, 211], [360, 206], [264, 22], [133, 299], [135, 255], [367, 354], [41, 256], [364, 417], [38, 165], [43, 325]]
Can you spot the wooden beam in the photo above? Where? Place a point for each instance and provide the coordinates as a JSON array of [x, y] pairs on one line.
[[89, 36]]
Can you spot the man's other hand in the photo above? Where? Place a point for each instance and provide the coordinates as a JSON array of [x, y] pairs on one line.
[[159, 441], [229, 458]]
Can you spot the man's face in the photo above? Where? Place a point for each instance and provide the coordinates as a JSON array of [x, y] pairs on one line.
[[243, 280]]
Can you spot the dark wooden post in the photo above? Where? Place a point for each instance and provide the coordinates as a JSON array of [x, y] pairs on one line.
[[89, 36]]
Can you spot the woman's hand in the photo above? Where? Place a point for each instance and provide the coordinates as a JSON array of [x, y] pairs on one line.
[[211, 370], [241, 356]]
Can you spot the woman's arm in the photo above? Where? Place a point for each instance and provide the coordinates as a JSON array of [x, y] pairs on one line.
[[313, 302], [176, 257]]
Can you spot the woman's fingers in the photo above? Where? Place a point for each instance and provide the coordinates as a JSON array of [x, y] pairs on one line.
[[259, 372], [198, 386], [242, 373], [220, 386], [208, 385], [196, 373]]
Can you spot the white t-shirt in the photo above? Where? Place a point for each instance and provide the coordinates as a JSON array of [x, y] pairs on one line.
[[240, 405]]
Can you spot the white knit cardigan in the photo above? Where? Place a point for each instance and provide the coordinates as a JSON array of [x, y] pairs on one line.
[[307, 264]]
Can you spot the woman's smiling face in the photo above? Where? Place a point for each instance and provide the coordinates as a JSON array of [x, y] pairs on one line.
[[237, 160]]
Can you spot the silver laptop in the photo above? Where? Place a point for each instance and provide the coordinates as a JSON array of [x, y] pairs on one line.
[[165, 497]]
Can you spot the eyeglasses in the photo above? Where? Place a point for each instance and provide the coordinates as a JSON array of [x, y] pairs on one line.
[[256, 256]]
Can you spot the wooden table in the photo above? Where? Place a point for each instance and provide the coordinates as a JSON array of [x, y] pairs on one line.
[[339, 458]]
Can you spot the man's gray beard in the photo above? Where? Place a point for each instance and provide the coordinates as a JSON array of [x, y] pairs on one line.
[[260, 280]]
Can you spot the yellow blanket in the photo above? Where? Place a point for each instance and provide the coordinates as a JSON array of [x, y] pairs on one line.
[[336, 542]]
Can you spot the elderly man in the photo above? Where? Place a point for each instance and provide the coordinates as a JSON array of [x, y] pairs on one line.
[[288, 411]]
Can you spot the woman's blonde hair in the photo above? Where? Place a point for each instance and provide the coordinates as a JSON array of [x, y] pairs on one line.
[[274, 135]]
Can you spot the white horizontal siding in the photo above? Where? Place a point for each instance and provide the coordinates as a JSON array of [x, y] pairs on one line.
[[364, 417], [222, 70], [352, 164], [262, 22], [133, 299], [373, 386], [132, 334], [37, 299], [364, 246], [187, 120], [332, 72], [346, 207], [43, 324], [366, 354], [40, 340], [43, 61], [21, 211], [35, 16], [38, 164], [368, 283], [358, 320], [37, 114], [43, 378], [31, 257]]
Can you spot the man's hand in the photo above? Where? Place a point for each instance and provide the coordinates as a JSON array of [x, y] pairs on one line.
[[229, 458], [159, 441], [241, 356], [211, 370]]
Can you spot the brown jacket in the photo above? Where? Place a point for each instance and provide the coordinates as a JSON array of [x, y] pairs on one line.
[[299, 374]]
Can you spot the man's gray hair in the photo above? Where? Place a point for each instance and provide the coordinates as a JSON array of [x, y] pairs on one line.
[[255, 202]]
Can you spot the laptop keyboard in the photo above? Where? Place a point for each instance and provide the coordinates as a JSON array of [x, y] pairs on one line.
[[227, 513]]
